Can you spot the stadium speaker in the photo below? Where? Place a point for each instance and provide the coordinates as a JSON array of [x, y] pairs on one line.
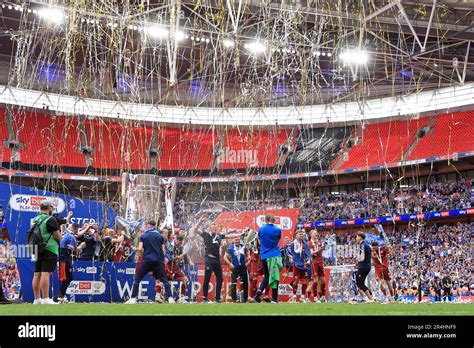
[[284, 149], [13, 144], [86, 150], [421, 132], [153, 153]]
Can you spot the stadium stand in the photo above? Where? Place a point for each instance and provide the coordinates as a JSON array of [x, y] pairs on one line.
[[451, 133], [117, 146], [50, 140], [44, 137], [5, 151], [381, 143]]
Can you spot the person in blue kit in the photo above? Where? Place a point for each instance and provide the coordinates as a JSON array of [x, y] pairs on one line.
[[363, 266], [89, 236], [67, 247], [237, 256], [287, 265], [300, 257], [269, 236], [152, 245]]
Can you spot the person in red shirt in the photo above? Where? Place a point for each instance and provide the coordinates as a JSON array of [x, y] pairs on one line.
[[256, 271], [121, 247], [174, 270], [380, 260], [176, 267], [300, 256], [138, 255], [318, 284]]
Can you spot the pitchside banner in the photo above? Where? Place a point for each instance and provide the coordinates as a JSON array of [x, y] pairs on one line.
[[284, 218], [93, 282], [21, 204], [113, 281], [394, 219]]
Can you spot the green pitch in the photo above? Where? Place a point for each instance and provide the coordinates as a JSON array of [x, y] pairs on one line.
[[240, 309]]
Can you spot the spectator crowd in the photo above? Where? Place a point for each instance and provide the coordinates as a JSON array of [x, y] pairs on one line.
[[374, 203], [442, 256], [369, 203]]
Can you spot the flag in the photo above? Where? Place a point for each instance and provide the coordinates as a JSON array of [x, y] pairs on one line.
[[382, 234], [370, 238]]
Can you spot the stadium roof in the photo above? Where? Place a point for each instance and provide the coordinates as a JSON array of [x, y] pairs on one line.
[[245, 53]]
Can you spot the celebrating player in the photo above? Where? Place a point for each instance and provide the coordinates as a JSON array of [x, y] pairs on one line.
[[270, 236], [363, 266], [300, 256], [256, 271], [318, 284], [153, 248], [67, 247], [177, 264], [380, 261], [237, 256], [174, 263]]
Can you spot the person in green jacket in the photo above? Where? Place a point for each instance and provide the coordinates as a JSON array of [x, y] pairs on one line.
[[46, 261]]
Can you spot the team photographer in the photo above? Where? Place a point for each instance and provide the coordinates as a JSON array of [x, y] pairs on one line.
[[46, 259]]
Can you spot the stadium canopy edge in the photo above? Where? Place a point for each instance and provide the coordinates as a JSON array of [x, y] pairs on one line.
[[412, 104], [233, 178]]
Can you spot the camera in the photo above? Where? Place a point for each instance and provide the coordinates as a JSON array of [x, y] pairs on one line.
[[59, 219]]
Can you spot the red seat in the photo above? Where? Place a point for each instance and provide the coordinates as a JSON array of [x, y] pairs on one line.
[[5, 153], [48, 140], [451, 133], [118, 146], [245, 149], [384, 142]]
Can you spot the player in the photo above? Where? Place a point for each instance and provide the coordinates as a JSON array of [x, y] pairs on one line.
[[270, 236], [284, 254], [300, 257], [363, 266], [380, 261], [174, 264], [122, 247], [237, 257], [176, 267], [318, 284], [153, 248], [67, 247], [256, 271]]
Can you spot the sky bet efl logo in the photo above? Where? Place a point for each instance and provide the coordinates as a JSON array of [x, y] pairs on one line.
[[284, 222], [82, 287], [32, 203]]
